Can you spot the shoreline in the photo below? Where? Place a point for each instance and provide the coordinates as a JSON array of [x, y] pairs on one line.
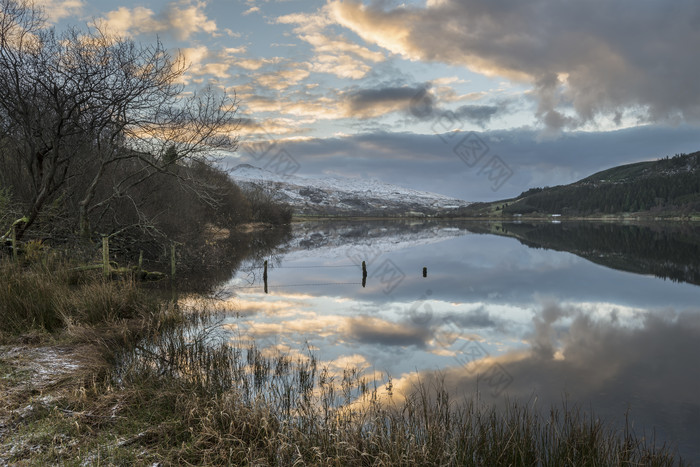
[[542, 218]]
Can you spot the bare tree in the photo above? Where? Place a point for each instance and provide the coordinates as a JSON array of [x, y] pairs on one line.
[[76, 106]]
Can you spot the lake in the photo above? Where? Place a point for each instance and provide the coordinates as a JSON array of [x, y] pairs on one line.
[[606, 316]]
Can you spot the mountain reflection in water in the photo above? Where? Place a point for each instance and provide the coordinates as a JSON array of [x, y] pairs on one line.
[[548, 312]]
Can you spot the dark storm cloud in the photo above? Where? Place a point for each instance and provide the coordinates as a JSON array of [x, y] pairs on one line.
[[381, 100], [478, 114], [429, 162], [416, 101], [479, 318], [597, 57]]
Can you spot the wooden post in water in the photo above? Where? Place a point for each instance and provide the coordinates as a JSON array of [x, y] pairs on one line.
[[105, 255], [265, 275], [14, 242], [364, 274], [425, 271]]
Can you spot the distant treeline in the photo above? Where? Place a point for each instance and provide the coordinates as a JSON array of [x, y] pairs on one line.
[[663, 185]]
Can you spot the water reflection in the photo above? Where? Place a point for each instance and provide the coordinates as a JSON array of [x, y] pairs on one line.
[[203, 273], [534, 311], [669, 251]]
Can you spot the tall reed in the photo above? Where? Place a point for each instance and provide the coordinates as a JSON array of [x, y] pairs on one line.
[[236, 404]]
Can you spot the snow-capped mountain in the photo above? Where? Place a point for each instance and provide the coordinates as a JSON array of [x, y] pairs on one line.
[[348, 196]]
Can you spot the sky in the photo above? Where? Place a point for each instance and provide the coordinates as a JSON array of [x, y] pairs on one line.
[[476, 99]]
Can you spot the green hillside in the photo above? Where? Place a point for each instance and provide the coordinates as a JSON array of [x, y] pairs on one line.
[[667, 187]]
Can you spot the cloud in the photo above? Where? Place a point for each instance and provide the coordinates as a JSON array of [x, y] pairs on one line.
[[372, 102], [418, 101], [359, 329], [282, 79], [351, 103], [478, 318], [337, 45], [59, 9], [340, 65], [235, 50], [253, 9], [478, 114], [443, 90], [203, 61], [253, 64], [544, 339], [182, 19], [332, 53], [272, 126], [584, 60]]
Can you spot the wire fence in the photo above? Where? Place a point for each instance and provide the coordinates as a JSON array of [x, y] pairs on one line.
[[96, 251], [266, 283], [317, 266], [282, 286]]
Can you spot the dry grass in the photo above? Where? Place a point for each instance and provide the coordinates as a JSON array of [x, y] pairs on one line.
[[179, 392], [193, 398], [50, 296]]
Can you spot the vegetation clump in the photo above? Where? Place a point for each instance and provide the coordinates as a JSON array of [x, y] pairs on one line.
[[54, 296]]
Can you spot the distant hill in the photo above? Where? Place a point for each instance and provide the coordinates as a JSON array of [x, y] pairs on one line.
[[332, 196], [667, 187]]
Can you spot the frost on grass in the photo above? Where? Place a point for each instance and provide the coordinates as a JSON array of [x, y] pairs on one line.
[[31, 379]]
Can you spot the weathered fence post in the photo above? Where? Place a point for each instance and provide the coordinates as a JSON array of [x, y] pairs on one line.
[[105, 255], [265, 275], [14, 242], [425, 271], [364, 274]]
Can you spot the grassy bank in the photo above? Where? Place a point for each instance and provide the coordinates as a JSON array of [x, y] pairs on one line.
[[171, 387], [52, 296]]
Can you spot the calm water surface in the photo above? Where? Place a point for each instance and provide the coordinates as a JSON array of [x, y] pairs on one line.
[[605, 316]]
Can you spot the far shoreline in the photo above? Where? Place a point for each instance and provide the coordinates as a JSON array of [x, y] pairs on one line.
[[551, 218]]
